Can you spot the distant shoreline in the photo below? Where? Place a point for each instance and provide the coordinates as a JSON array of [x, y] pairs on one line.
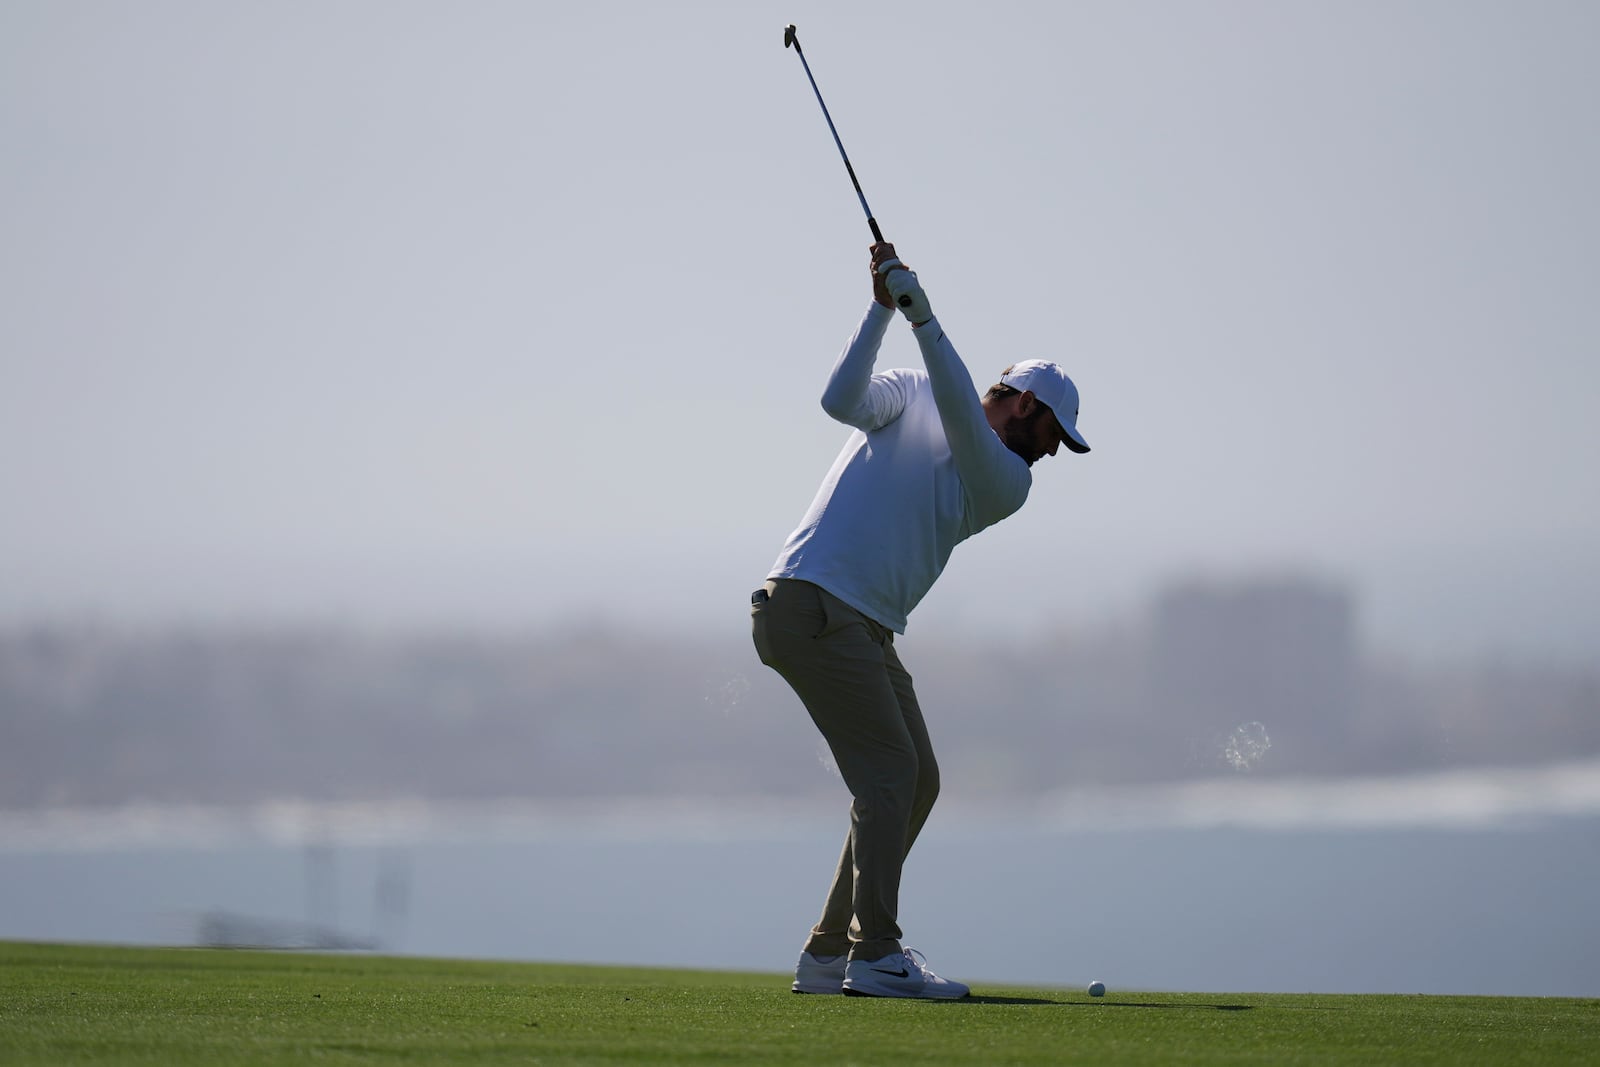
[[1475, 798]]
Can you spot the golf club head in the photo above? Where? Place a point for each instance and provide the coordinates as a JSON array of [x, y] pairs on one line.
[[788, 36]]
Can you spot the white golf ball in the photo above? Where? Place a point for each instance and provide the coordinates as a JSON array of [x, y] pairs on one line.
[[1097, 989]]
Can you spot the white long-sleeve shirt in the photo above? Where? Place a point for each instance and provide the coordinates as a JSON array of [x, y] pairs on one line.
[[922, 472]]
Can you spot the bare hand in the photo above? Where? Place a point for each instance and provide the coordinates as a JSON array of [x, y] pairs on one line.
[[882, 253]]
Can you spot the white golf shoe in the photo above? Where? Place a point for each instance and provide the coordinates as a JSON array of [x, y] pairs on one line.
[[819, 974], [905, 975]]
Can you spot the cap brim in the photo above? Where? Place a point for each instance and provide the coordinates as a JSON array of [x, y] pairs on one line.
[[1074, 440]]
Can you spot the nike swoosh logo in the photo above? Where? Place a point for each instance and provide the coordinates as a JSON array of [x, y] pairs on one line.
[[898, 974]]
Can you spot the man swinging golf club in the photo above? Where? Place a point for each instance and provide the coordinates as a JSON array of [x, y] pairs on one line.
[[928, 465]]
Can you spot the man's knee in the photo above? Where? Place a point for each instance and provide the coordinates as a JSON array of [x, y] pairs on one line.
[[893, 793], [927, 790]]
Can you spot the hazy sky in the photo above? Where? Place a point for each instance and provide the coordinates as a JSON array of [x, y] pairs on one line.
[[519, 312]]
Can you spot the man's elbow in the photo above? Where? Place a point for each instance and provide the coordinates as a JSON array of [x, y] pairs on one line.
[[1000, 506], [839, 407]]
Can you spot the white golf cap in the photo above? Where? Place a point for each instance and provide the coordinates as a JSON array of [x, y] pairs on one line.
[[1055, 390]]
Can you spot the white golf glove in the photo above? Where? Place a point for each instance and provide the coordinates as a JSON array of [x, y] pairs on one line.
[[908, 295]]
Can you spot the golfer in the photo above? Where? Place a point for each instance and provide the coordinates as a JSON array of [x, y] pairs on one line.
[[928, 465]]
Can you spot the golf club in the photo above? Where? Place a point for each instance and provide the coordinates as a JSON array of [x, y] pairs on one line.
[[789, 39]]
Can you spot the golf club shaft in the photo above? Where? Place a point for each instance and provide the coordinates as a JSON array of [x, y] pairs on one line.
[[789, 38]]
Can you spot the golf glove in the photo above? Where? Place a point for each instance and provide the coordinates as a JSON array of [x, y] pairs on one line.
[[908, 296]]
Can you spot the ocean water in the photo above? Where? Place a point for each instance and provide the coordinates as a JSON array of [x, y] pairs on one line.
[[1462, 883]]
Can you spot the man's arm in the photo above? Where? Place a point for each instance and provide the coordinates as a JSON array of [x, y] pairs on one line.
[[853, 395], [995, 478]]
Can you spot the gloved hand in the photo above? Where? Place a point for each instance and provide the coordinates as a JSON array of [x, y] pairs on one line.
[[907, 294]]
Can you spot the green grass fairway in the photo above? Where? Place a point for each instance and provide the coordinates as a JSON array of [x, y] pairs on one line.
[[82, 1004]]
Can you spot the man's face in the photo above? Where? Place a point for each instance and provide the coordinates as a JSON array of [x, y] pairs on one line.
[[1034, 435]]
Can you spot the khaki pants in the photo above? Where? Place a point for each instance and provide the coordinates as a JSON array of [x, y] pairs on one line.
[[845, 670]]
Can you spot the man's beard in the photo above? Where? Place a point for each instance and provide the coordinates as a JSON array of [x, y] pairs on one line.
[[1022, 434]]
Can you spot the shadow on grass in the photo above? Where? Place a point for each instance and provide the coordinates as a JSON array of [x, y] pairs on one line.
[[1169, 1007], [1073, 1003]]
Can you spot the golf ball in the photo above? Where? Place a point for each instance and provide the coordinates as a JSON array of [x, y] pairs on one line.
[[1097, 989]]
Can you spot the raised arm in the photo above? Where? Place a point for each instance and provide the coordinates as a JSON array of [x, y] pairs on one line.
[[854, 395], [995, 478]]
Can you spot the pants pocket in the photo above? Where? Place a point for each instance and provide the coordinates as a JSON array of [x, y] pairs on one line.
[[788, 619], [758, 625], [837, 616]]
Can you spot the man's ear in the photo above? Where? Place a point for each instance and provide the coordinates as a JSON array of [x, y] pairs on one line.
[[1025, 402]]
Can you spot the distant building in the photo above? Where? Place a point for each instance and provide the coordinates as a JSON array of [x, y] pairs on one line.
[[1280, 652]]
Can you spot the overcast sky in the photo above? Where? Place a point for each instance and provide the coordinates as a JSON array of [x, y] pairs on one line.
[[519, 313]]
